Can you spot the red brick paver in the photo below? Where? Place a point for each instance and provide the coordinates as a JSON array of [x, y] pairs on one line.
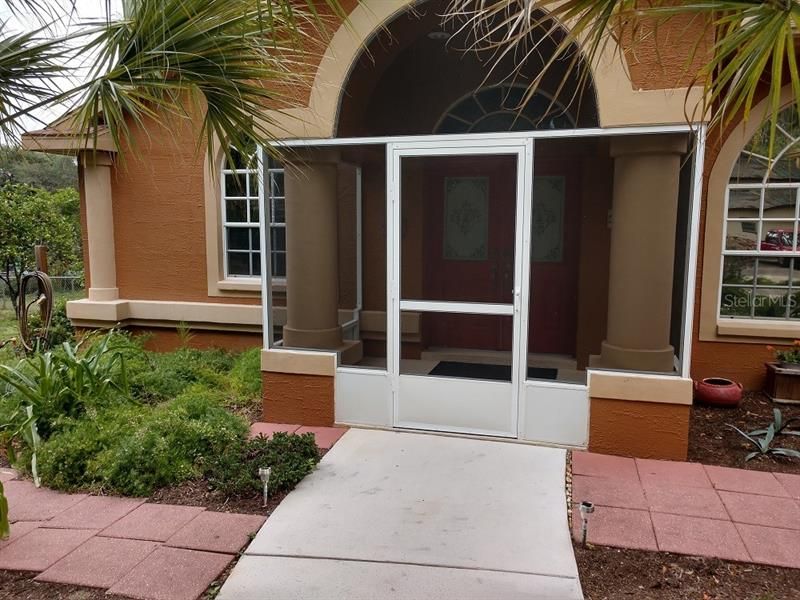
[[603, 465], [771, 546], [749, 482], [172, 574], [762, 510], [693, 535], [26, 502], [7, 475], [154, 522], [95, 512], [106, 542], [733, 514], [100, 562], [623, 527], [217, 532], [325, 437], [41, 547], [791, 483], [267, 429], [19, 529]]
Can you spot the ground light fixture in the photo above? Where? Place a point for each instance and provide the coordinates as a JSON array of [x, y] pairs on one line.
[[263, 475], [587, 508]]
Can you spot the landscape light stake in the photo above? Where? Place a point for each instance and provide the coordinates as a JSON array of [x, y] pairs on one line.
[[263, 475], [587, 508]]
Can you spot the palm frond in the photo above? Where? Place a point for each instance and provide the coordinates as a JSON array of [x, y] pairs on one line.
[[29, 63], [226, 60], [753, 54]]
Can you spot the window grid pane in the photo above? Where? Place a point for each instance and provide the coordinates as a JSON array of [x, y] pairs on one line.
[[761, 256], [240, 219]]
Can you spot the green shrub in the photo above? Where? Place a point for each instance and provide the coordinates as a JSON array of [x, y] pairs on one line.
[[65, 382], [134, 450], [245, 375], [61, 329], [291, 457], [156, 377]]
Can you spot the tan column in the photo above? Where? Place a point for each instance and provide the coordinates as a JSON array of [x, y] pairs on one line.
[[644, 217], [100, 225], [312, 279]]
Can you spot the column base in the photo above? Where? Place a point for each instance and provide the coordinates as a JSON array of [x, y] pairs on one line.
[[351, 352], [103, 294], [617, 357], [320, 339]]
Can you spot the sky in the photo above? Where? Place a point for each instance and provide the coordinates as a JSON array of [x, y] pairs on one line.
[[77, 11]]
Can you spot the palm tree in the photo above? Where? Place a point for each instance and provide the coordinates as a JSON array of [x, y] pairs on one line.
[[753, 52], [223, 59]]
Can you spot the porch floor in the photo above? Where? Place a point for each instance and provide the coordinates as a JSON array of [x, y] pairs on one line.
[[405, 515]]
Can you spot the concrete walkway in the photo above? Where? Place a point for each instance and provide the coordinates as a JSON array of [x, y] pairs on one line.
[[406, 516], [689, 508]]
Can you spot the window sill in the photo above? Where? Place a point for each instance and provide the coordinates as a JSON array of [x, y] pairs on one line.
[[759, 328], [249, 285]]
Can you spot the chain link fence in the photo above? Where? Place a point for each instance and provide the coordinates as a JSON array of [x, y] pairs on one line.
[[69, 286]]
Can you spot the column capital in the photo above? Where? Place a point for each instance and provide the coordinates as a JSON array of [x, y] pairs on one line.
[[96, 158], [657, 143]]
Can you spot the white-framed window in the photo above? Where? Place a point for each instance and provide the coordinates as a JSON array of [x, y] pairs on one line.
[[241, 241], [761, 256]]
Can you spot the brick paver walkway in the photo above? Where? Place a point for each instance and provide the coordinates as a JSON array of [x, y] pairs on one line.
[[689, 508], [125, 545]]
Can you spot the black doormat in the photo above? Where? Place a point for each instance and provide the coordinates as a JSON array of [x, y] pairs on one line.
[[449, 368]]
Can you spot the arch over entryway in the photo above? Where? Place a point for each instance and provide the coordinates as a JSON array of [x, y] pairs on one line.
[[618, 103], [413, 72]]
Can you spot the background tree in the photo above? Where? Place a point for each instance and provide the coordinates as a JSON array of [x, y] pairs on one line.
[[30, 216], [48, 171]]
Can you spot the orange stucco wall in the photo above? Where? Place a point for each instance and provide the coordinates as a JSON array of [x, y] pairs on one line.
[[643, 429], [298, 399]]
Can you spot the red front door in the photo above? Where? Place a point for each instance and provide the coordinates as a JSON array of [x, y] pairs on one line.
[[469, 247], [554, 259], [469, 238]]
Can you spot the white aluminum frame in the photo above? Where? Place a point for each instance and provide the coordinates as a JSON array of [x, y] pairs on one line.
[[472, 391], [443, 145]]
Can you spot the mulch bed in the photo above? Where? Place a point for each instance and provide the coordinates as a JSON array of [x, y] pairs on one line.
[[611, 573], [198, 493], [712, 442]]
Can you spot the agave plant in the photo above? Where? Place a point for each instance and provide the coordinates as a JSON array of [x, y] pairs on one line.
[[752, 54], [779, 425], [763, 445]]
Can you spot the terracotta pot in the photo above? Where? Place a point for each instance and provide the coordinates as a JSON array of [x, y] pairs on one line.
[[718, 391]]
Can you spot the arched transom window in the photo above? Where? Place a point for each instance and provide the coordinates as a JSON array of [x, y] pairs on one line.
[[761, 258], [497, 108], [241, 239]]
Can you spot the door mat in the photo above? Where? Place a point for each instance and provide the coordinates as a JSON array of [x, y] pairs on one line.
[[449, 368]]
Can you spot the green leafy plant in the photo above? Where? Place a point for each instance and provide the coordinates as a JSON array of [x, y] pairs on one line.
[[790, 355], [779, 425], [135, 449], [5, 528], [290, 456], [44, 391], [763, 445], [246, 375]]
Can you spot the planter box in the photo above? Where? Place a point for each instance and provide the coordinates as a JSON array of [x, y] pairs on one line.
[[782, 385]]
